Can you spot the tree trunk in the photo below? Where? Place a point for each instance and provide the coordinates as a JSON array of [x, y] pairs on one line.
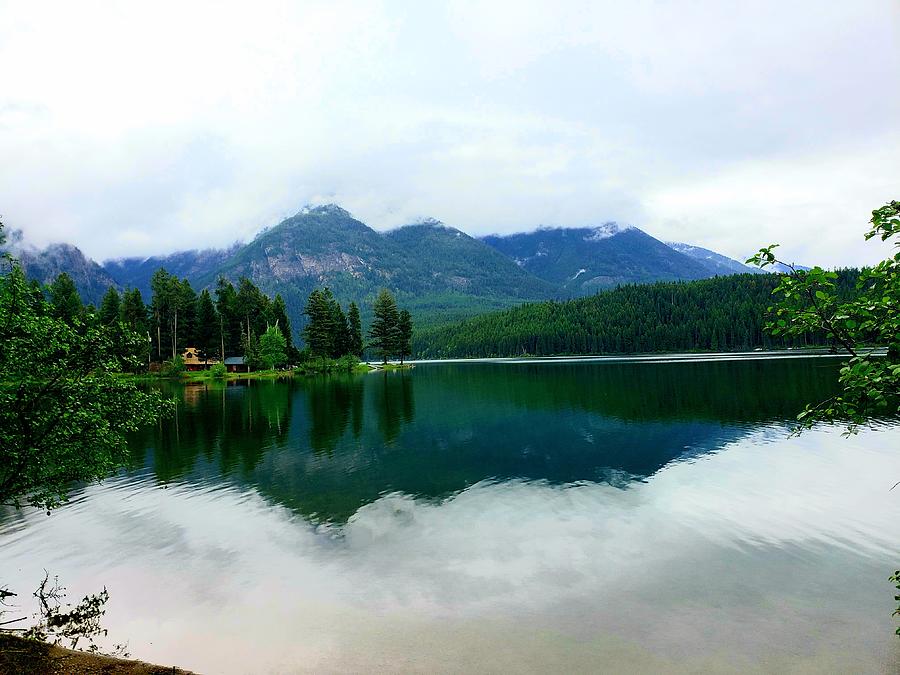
[[175, 336]]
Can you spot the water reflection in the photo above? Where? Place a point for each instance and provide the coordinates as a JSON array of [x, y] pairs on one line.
[[326, 446], [727, 564], [393, 402], [552, 518], [333, 404]]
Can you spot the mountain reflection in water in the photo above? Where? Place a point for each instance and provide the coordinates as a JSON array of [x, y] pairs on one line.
[[552, 517]]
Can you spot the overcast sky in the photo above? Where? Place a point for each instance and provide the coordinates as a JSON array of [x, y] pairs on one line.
[[141, 128]]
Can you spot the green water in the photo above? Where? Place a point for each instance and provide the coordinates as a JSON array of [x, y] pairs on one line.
[[327, 446], [568, 516]]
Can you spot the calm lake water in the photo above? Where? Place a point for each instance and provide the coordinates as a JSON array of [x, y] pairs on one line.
[[620, 516]]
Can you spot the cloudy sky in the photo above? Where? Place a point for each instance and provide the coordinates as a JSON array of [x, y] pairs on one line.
[[139, 128]]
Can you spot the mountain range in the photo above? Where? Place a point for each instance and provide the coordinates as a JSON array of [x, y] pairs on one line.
[[437, 271]]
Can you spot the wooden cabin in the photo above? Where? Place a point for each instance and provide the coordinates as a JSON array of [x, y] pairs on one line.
[[236, 364], [195, 360]]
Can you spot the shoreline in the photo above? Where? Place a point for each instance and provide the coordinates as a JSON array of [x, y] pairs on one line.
[[364, 367], [20, 655], [361, 368], [651, 357]]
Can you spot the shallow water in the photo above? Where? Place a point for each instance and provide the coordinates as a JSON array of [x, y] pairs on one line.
[[530, 517]]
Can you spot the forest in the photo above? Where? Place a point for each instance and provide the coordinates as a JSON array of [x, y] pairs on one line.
[[239, 320], [719, 314], [726, 313]]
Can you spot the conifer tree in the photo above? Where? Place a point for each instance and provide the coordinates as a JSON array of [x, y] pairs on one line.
[[251, 307], [134, 312], [162, 310], [318, 332], [355, 326], [110, 307], [404, 342], [186, 305], [64, 299], [341, 335], [385, 331], [229, 324], [207, 330]]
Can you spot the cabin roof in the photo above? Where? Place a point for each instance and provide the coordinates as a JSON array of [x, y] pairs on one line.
[[234, 360], [191, 357]]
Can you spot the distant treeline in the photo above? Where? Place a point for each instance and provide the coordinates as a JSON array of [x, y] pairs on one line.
[[178, 317], [234, 320], [719, 314]]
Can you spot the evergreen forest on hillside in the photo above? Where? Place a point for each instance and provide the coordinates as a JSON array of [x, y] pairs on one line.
[[718, 314]]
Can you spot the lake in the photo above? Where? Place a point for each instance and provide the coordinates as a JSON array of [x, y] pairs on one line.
[[645, 515]]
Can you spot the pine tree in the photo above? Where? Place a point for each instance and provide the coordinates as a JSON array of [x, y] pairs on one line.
[[133, 312], [162, 306], [340, 343], [355, 325], [187, 314], [207, 329], [64, 298], [318, 332], [251, 307], [110, 307], [404, 342], [384, 333], [229, 323]]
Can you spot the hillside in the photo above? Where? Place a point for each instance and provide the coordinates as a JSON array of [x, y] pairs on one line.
[[716, 263], [193, 265], [431, 268], [438, 272], [585, 260], [719, 314], [90, 279]]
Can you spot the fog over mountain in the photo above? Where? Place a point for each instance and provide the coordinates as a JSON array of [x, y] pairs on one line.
[[192, 125], [437, 270]]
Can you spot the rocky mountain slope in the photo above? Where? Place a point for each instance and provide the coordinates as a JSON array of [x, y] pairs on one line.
[[585, 260], [716, 263], [437, 271], [45, 265]]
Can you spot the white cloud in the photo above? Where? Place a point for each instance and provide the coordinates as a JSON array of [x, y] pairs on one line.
[[134, 130]]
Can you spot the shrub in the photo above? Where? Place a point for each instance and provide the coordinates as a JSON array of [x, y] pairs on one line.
[[173, 367], [218, 371]]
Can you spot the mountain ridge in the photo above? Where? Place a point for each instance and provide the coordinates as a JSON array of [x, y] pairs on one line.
[[434, 268]]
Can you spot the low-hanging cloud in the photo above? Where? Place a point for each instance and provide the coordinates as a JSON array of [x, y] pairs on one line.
[[132, 131]]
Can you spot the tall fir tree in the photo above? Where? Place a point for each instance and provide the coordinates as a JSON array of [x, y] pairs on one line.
[[64, 299], [162, 309], [251, 305], [404, 338], [229, 321], [340, 342], [207, 329], [355, 325], [385, 330], [318, 332], [110, 307], [186, 299], [133, 312]]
